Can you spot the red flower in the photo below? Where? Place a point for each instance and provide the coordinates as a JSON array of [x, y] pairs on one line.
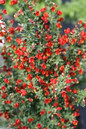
[[16, 105], [55, 104], [49, 44], [39, 126], [2, 1], [61, 68], [37, 13], [43, 10], [84, 25], [37, 70], [11, 30], [53, 9], [59, 124], [4, 11], [76, 114], [33, 2], [8, 38], [74, 122], [59, 12], [18, 40], [30, 86], [18, 121], [24, 127], [30, 120], [57, 114], [43, 66], [42, 112], [13, 2], [3, 88], [48, 37], [62, 120], [30, 100], [59, 25], [4, 95], [45, 14], [6, 80], [29, 77], [59, 108], [74, 91], [67, 31], [1, 114], [23, 92], [6, 115], [60, 19], [64, 126], [0, 18], [46, 101], [68, 80]]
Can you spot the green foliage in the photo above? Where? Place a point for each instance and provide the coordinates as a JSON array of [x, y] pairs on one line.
[[39, 85]]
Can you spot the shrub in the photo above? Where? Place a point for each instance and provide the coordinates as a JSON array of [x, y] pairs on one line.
[[39, 85]]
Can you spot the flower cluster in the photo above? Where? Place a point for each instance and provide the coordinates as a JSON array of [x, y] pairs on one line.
[[39, 85]]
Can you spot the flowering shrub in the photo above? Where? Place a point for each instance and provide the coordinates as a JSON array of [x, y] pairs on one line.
[[39, 85]]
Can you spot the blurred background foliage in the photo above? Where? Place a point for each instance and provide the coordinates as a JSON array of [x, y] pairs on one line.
[[72, 9]]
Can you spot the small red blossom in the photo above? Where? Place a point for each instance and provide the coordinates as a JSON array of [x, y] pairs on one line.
[[37, 13], [42, 112], [53, 9], [23, 92], [3, 88], [6, 115], [57, 51], [24, 127], [18, 40], [76, 114], [6, 80], [2, 1], [18, 121], [43, 66], [16, 105], [8, 38], [74, 91], [59, 108], [57, 114], [74, 122], [55, 104], [4, 11], [39, 126], [0, 19], [59, 25], [43, 10], [13, 2], [59, 124], [30, 100], [68, 80], [30, 120], [67, 31], [60, 19], [1, 114], [11, 30], [29, 77], [62, 68], [59, 12], [33, 2]]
